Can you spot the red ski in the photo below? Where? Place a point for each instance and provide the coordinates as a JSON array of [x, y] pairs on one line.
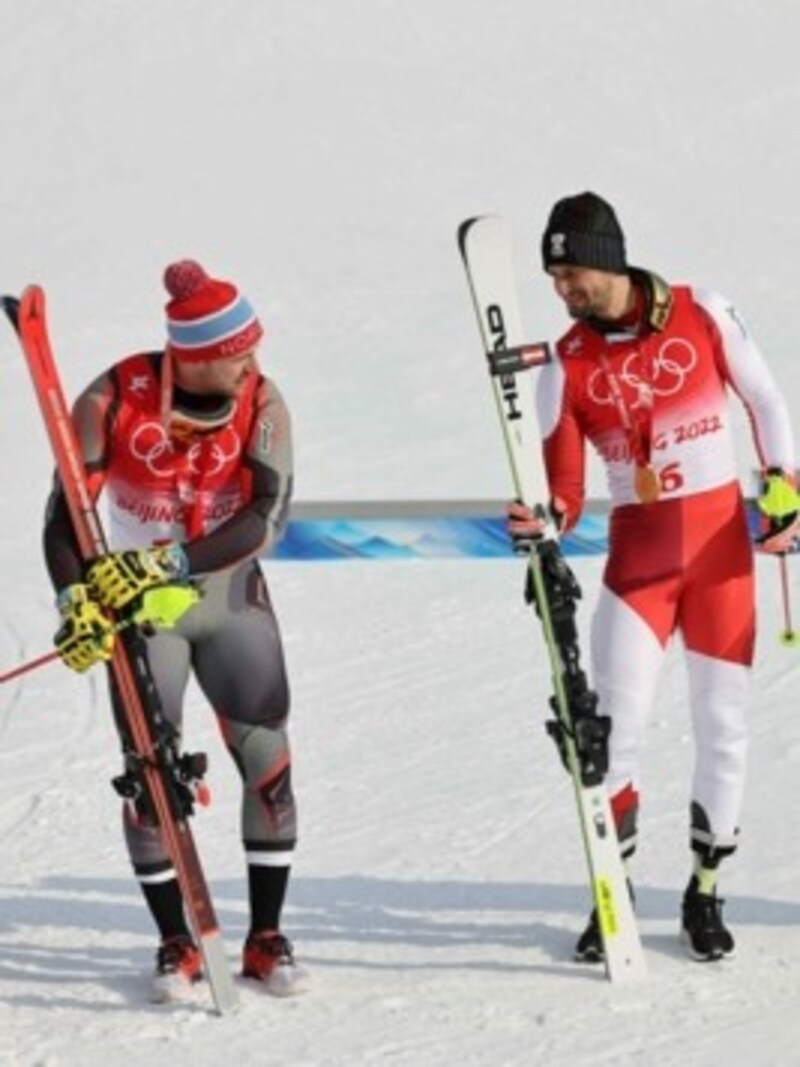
[[156, 775]]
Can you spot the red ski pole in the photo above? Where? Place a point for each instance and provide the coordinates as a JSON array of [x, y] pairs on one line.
[[152, 612], [31, 665]]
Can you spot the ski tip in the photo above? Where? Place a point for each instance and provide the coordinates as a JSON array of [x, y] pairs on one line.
[[492, 222], [11, 308], [464, 229], [29, 307]]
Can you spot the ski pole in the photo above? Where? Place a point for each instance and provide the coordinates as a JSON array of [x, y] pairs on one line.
[[31, 665], [151, 613], [788, 637]]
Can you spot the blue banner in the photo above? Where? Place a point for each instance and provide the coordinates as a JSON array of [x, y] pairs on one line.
[[421, 535], [399, 530]]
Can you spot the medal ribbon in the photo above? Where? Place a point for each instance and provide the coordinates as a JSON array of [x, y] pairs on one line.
[[638, 433]]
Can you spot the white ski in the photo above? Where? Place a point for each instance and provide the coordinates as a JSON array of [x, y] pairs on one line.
[[486, 249]]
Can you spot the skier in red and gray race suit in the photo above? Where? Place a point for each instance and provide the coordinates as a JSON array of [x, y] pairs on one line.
[[644, 375], [191, 447]]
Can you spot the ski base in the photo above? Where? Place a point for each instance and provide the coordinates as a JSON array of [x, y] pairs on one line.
[[218, 973]]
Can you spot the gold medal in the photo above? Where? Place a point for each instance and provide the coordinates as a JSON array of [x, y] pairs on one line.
[[647, 485]]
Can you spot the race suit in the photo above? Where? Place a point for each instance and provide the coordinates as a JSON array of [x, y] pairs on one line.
[[656, 393], [224, 495]]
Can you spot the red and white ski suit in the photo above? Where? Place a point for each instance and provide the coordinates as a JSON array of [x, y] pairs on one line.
[[683, 563]]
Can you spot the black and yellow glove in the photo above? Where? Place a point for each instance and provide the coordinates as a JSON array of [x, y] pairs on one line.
[[779, 505], [120, 578], [86, 635]]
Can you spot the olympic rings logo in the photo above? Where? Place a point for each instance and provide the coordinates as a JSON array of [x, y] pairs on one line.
[[151, 444], [675, 361]]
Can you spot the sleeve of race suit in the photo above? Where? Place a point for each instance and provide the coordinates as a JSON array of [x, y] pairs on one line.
[[563, 442], [90, 418], [745, 368], [268, 472]]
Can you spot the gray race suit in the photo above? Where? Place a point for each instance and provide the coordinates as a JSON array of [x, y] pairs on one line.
[[230, 641]]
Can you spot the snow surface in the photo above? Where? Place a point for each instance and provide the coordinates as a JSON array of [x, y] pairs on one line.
[[322, 153]]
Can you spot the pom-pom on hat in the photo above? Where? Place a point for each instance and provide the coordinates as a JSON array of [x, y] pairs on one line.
[[207, 318], [583, 231]]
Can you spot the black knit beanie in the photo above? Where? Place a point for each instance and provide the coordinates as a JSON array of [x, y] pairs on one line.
[[583, 231]]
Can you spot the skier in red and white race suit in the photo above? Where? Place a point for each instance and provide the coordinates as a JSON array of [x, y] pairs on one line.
[[644, 375], [191, 448]]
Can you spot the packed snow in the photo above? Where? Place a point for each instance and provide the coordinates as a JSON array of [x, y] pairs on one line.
[[321, 153]]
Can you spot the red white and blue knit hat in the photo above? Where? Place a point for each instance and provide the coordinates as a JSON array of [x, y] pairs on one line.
[[207, 318]]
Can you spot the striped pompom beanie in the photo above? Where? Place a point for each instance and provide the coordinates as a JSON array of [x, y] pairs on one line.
[[207, 318]]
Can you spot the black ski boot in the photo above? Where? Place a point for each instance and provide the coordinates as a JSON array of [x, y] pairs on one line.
[[589, 947], [702, 929]]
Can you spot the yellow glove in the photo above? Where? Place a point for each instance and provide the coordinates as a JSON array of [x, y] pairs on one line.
[[86, 635], [779, 505], [118, 579], [165, 605]]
